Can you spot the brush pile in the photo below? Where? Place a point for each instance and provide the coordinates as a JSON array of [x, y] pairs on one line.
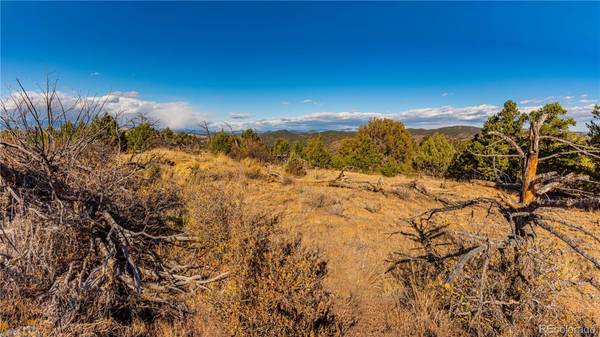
[[83, 233]]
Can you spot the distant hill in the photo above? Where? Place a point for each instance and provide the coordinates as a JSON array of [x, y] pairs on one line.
[[457, 132], [329, 137]]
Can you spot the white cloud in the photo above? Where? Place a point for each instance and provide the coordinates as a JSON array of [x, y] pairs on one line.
[[309, 101], [583, 95], [445, 94], [181, 115], [432, 117], [537, 100], [239, 115], [131, 94], [95, 73], [351, 120], [568, 97], [175, 115], [588, 100], [285, 103]]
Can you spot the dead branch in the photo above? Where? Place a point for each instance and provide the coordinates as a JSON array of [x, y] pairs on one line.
[[510, 141], [569, 241]]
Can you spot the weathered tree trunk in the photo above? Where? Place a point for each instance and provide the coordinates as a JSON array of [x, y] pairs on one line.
[[531, 161], [529, 174]]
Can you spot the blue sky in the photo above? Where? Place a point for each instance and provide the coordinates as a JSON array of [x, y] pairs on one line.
[[309, 65]]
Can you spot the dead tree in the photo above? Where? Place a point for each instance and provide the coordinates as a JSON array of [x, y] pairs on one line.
[[498, 277], [83, 233]]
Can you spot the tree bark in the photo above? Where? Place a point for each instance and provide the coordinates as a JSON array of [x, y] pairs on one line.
[[529, 174]]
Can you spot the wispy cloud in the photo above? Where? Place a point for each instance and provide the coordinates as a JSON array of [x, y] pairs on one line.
[[432, 117], [95, 73], [351, 120], [588, 100], [583, 95], [568, 98], [445, 94], [309, 101], [537, 100], [285, 103], [239, 115], [131, 94]]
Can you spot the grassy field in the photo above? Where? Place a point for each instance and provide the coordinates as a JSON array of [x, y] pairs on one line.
[[352, 229]]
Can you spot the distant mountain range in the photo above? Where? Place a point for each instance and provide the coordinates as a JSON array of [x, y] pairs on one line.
[[458, 132]]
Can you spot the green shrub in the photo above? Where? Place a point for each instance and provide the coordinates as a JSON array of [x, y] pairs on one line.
[[222, 142], [249, 134], [390, 137], [392, 168], [382, 145], [141, 137], [316, 153], [360, 153], [281, 148], [297, 147], [434, 155], [107, 127]]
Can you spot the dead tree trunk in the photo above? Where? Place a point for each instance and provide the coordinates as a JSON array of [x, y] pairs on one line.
[[529, 174], [529, 159]]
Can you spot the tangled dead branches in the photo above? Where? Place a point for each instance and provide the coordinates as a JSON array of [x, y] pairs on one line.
[[492, 282], [495, 283], [83, 233]]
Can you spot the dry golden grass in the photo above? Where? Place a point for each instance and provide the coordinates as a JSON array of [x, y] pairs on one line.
[[351, 228]]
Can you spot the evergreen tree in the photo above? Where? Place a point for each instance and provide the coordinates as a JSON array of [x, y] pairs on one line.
[[222, 142], [434, 155], [316, 153], [594, 136], [141, 137], [297, 148], [390, 137], [249, 134], [281, 148], [476, 160], [594, 127], [509, 121], [360, 153]]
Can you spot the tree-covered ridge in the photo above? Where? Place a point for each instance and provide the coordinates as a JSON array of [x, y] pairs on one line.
[[332, 137], [386, 147]]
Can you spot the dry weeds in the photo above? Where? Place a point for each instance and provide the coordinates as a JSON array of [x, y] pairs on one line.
[[357, 244]]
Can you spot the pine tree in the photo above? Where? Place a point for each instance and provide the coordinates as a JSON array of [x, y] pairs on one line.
[[594, 127]]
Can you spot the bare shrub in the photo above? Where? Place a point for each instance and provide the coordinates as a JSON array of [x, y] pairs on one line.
[[323, 200], [214, 216], [403, 192], [276, 285], [277, 288], [83, 234], [337, 209], [372, 207], [491, 296], [286, 180], [295, 165], [252, 170]]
